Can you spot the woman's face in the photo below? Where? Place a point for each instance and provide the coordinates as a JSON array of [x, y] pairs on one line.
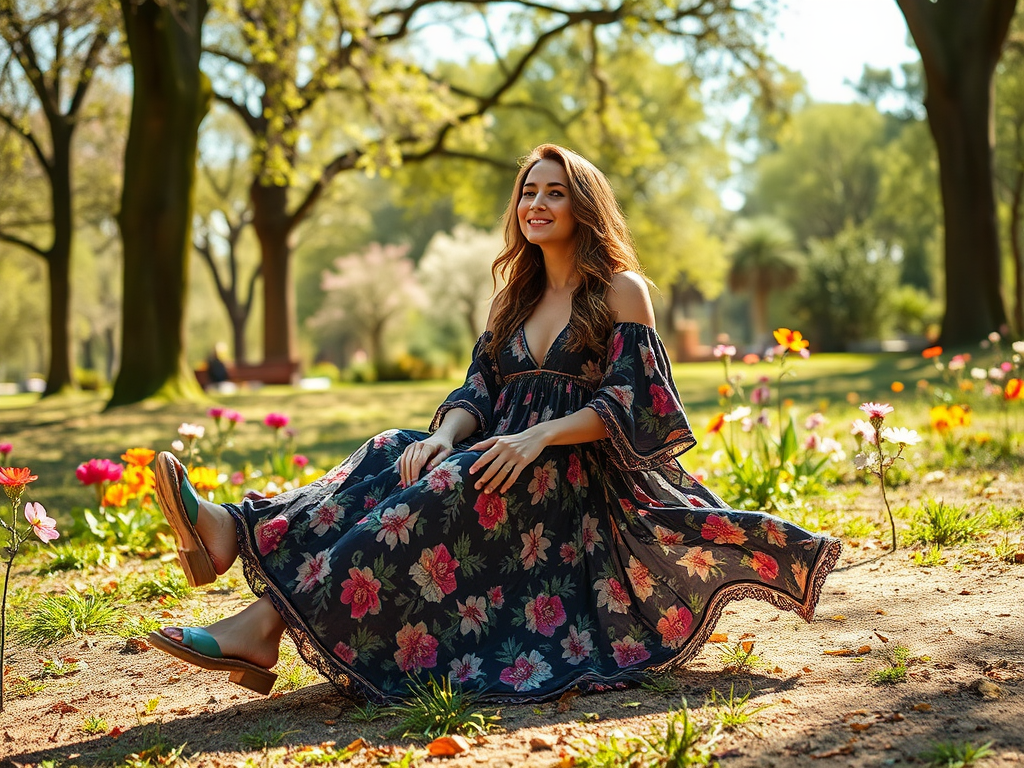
[[545, 210]]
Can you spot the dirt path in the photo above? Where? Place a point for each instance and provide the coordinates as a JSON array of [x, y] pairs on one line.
[[962, 623]]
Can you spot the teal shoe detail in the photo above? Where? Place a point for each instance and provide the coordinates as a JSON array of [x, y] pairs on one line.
[[198, 639], [190, 498]]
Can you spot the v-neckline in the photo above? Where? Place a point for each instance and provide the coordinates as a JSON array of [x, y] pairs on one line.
[[526, 344]]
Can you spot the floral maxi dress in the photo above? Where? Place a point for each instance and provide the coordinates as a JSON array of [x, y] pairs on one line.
[[605, 560]]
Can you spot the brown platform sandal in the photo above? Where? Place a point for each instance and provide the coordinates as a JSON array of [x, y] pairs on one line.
[[179, 502]]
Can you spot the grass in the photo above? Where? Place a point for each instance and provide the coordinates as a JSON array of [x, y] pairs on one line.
[[165, 583], [661, 683], [369, 712], [735, 714], [895, 670], [267, 733], [435, 707], [93, 724], [741, 658], [942, 524], [58, 617], [75, 557], [955, 754]]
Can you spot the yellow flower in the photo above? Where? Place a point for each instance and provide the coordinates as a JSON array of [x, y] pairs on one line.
[[939, 417], [138, 457], [117, 495], [203, 478], [794, 341], [966, 386], [725, 390], [140, 480], [960, 416], [982, 438]]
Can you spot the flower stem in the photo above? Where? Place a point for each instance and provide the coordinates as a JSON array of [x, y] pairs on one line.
[[3, 620], [881, 477]]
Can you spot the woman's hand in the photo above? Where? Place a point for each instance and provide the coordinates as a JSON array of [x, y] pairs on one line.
[[505, 457], [430, 452]]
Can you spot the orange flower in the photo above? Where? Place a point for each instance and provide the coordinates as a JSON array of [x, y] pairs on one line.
[[1013, 389], [939, 417], [140, 479], [117, 495], [725, 390], [203, 478], [960, 415], [794, 341], [138, 457], [896, 386], [931, 352], [16, 477], [715, 424]]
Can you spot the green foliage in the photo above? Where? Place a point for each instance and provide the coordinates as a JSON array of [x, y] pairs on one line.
[[93, 724], [369, 712], [684, 743], [58, 617], [75, 557], [895, 671], [165, 583], [734, 713], [741, 659], [955, 754], [436, 707], [266, 733], [859, 527], [944, 524], [133, 529], [294, 675], [931, 557], [660, 683]]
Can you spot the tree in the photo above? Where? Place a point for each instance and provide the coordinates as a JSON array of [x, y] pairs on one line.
[[764, 260], [57, 49], [960, 45], [171, 96], [1010, 157]]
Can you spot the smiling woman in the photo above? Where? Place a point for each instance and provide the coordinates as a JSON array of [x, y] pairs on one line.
[[541, 536]]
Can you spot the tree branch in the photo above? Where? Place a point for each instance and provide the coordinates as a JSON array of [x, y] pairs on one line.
[[87, 72], [251, 121], [27, 136], [341, 163], [15, 240]]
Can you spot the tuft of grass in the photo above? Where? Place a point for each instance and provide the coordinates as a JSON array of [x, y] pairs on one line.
[[328, 755], [165, 583], [294, 674], [436, 707], [369, 712], [661, 683], [741, 657], [733, 713], [93, 724], [59, 668], [859, 527], [1005, 518], [136, 626], [930, 557], [21, 687], [944, 524], [265, 734], [75, 557], [58, 617], [683, 744], [895, 670], [955, 754]]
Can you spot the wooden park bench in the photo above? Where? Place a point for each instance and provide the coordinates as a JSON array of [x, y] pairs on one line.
[[265, 373]]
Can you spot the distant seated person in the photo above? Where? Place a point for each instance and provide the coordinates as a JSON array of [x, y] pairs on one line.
[[216, 369]]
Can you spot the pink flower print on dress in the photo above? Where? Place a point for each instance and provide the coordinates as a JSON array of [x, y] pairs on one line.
[[662, 403], [313, 571], [473, 614], [269, 533], [629, 651], [591, 537], [674, 626], [496, 597], [622, 394], [395, 524], [577, 646], [444, 477], [322, 519], [774, 533], [435, 573], [544, 482], [641, 579], [649, 360], [384, 438], [545, 614], [535, 546], [466, 668], [346, 653], [765, 565], [721, 530], [568, 553], [360, 591], [611, 594], [574, 474], [615, 348], [667, 538], [339, 474], [491, 509], [698, 561], [527, 673], [417, 649]]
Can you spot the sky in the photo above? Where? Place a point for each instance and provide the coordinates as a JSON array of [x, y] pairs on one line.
[[830, 41]]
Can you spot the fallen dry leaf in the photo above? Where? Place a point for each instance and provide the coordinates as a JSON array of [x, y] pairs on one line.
[[923, 707], [860, 725], [565, 700], [719, 637], [864, 649], [62, 708], [839, 617], [881, 637], [840, 652], [747, 646], [987, 689], [448, 746], [542, 742], [747, 635], [846, 749]]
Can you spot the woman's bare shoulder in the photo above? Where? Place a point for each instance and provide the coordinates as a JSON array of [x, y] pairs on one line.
[[496, 302], [630, 299]]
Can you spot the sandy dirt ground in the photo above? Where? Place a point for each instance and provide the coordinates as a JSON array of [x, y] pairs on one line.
[[961, 621]]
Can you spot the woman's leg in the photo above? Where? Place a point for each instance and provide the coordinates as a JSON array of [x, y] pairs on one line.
[[217, 530], [253, 634]]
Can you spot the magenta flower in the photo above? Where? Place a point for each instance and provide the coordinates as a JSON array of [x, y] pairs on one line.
[[5, 448], [724, 350], [276, 420], [44, 526], [96, 471], [233, 416], [299, 460], [877, 410], [216, 412]]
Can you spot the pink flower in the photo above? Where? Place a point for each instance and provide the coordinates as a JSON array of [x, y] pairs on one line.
[[666, 537], [43, 526], [491, 509], [276, 420], [237, 478], [395, 524], [444, 477], [496, 597], [698, 561], [435, 573], [568, 553], [674, 626], [6, 448], [535, 546], [473, 614], [628, 652], [773, 533], [96, 471], [216, 412], [640, 577], [574, 474], [527, 673], [765, 565], [722, 531], [360, 591], [864, 430], [466, 668], [299, 460], [591, 537], [724, 350], [417, 649], [544, 481], [313, 571], [877, 410], [760, 394], [616, 347], [662, 404], [233, 416], [577, 646], [345, 652], [269, 533], [611, 594], [545, 614]]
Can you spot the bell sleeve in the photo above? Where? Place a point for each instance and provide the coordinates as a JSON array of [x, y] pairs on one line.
[[638, 402], [479, 392]]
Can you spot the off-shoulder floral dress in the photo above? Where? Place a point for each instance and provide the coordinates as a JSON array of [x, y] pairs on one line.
[[605, 560]]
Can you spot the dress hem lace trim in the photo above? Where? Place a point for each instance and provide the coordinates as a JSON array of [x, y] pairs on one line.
[[624, 456]]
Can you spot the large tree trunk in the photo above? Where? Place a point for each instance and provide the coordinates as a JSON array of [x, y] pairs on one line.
[[960, 44], [273, 229], [171, 96], [1016, 202], [58, 259]]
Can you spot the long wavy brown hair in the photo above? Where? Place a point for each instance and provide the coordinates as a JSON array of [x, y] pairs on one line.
[[603, 247]]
